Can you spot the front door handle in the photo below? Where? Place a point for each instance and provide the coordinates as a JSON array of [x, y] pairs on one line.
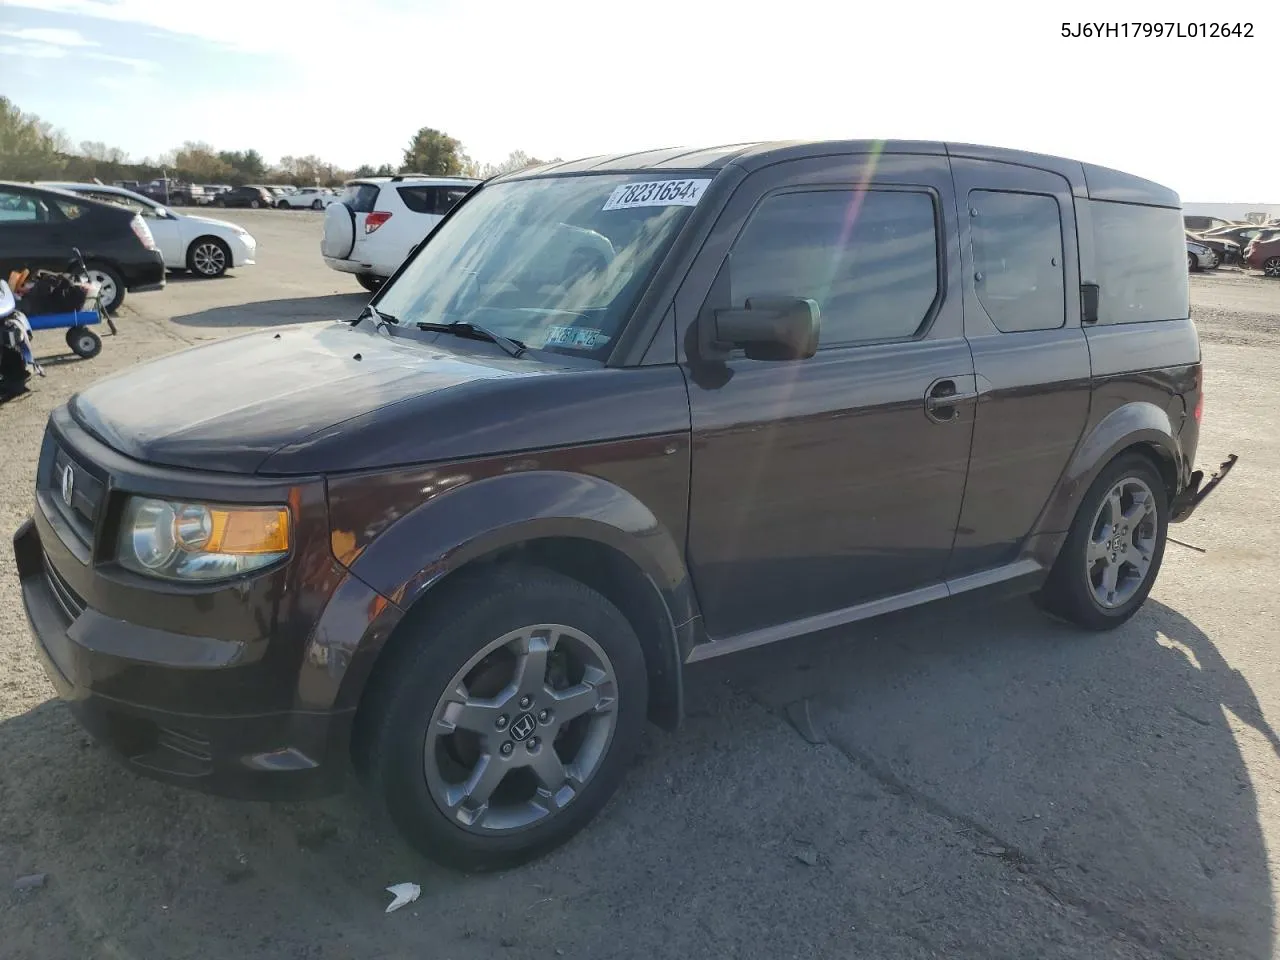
[[944, 397]]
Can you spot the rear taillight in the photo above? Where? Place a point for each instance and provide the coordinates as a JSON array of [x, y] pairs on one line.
[[1199, 411], [142, 231], [374, 220]]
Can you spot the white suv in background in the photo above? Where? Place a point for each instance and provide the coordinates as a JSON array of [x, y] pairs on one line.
[[378, 220]]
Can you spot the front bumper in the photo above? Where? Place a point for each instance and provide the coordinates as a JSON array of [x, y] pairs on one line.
[[120, 678], [244, 251]]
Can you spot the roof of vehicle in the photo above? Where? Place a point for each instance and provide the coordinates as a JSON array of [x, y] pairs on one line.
[[67, 185], [416, 178], [1102, 183], [114, 208]]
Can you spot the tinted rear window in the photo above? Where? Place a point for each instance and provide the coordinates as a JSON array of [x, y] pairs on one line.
[[360, 197], [433, 200], [1141, 257]]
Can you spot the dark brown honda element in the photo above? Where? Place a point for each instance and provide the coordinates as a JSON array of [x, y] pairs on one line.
[[611, 417]]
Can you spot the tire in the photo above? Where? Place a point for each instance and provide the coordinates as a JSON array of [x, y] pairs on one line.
[[219, 202], [417, 766], [84, 342], [1192, 263], [111, 283], [1271, 267], [1076, 589], [208, 257], [317, 204], [370, 282], [254, 204], [282, 205]]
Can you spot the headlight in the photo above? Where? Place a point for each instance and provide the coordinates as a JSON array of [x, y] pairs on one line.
[[197, 541]]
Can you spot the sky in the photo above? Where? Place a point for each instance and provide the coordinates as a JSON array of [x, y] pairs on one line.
[[569, 78]]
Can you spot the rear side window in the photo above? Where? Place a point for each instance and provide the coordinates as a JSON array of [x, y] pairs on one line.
[[70, 209], [1141, 258], [868, 257], [433, 200], [1017, 259], [360, 197]]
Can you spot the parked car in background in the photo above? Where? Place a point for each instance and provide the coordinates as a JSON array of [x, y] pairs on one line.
[[1198, 224], [209, 192], [172, 192], [1226, 250], [379, 220], [1264, 254], [39, 227], [207, 248], [247, 196], [1240, 233], [468, 542], [1200, 257], [314, 198]]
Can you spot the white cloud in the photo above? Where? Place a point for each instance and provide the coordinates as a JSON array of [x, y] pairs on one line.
[[32, 51], [51, 36]]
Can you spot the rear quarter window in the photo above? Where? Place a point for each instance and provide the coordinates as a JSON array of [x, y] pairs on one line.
[[433, 200], [361, 197], [1141, 258]]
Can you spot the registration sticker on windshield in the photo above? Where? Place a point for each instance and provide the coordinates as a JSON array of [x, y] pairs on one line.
[[580, 338], [656, 193]]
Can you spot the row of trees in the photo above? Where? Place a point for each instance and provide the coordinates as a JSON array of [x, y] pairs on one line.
[[31, 149]]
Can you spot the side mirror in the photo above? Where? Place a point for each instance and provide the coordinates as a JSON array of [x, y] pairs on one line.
[[1090, 293], [772, 328]]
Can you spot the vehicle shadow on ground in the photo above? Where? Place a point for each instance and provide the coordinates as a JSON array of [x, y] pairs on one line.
[[992, 785], [268, 313]]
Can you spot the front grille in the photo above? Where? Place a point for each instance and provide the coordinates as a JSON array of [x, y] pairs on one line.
[[76, 491], [70, 602]]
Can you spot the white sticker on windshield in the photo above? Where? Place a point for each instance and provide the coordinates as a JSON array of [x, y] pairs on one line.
[[581, 338], [656, 193]]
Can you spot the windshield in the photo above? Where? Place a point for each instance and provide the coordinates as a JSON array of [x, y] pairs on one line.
[[555, 263]]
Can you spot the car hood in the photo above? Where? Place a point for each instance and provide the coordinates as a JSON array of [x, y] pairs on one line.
[[230, 405], [210, 221]]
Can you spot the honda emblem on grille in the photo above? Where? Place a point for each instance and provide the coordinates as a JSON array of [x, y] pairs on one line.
[[68, 484]]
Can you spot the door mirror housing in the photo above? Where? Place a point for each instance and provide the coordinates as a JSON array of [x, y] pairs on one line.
[[771, 328]]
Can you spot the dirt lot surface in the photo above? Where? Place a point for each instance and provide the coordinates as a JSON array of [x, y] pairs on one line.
[[992, 785]]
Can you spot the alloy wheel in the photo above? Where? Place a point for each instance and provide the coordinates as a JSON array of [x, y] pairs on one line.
[[521, 729], [1122, 543], [209, 259], [106, 285], [1271, 267]]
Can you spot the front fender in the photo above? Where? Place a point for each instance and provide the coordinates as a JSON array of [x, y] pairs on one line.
[[1134, 424], [478, 519], [487, 515]]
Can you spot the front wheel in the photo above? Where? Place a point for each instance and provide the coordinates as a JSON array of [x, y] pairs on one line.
[[282, 205], [370, 282], [208, 257], [1192, 263], [254, 204], [317, 204], [1113, 551], [84, 343], [505, 718], [1271, 267]]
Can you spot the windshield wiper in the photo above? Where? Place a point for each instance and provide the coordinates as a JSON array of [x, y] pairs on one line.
[[371, 311], [465, 328]]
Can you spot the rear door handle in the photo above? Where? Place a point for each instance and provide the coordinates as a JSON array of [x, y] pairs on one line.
[[944, 396]]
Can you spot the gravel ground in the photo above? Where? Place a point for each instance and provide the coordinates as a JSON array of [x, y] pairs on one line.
[[991, 784]]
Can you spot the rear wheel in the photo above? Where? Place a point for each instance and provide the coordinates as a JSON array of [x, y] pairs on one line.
[[1112, 554], [317, 204], [254, 204], [1271, 267], [1192, 263], [507, 718], [282, 205], [110, 285], [370, 282]]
